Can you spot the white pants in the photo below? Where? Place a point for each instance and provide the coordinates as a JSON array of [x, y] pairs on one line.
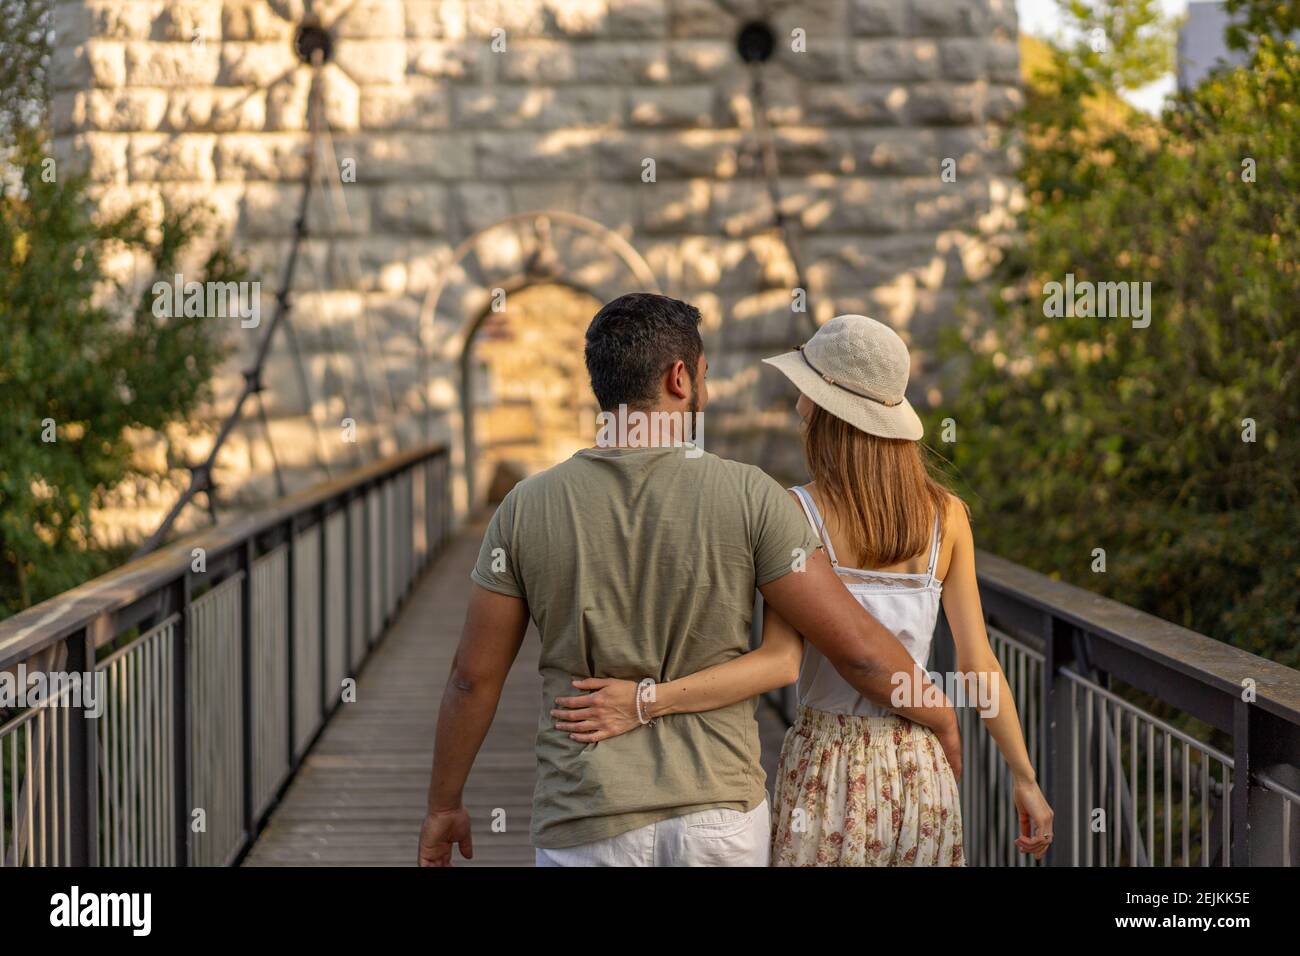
[[704, 838]]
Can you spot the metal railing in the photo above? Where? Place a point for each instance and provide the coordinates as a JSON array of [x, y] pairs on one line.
[[1119, 710], [1129, 786], [186, 686]]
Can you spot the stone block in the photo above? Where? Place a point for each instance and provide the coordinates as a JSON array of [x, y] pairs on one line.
[[286, 101], [642, 19], [518, 18], [694, 19], [896, 59], [371, 19], [103, 156], [418, 209], [677, 155], [538, 107], [520, 155], [172, 64], [904, 152], [856, 104], [219, 110], [445, 60], [261, 156], [416, 156], [671, 106], [93, 63], [258, 64], [126, 109], [185, 157], [945, 104], [948, 17], [877, 17], [701, 61], [188, 21], [433, 19], [963, 58], [620, 62], [1003, 60], [418, 104], [372, 62], [542, 62], [675, 207], [253, 20]]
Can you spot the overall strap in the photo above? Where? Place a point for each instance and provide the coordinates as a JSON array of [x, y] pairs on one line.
[[815, 519], [934, 551]]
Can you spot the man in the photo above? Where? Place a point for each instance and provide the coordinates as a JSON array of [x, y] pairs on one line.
[[640, 561]]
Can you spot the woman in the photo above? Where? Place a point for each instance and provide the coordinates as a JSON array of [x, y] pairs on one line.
[[858, 785]]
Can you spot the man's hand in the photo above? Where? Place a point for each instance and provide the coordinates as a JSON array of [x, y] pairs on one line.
[[441, 829]]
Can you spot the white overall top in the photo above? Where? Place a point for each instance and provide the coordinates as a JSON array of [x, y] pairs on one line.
[[906, 604]]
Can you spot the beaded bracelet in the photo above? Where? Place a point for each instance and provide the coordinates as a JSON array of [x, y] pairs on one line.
[[640, 696]]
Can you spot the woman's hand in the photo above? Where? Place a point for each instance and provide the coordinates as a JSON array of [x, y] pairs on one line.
[[609, 710], [1035, 819]]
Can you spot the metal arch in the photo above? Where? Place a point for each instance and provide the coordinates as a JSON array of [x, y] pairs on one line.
[[619, 246]]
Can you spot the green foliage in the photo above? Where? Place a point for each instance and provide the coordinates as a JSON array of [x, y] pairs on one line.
[[25, 27], [1083, 433], [87, 362], [1119, 44]]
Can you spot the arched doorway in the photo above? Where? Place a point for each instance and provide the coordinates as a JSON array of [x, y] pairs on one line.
[[551, 250], [528, 403]]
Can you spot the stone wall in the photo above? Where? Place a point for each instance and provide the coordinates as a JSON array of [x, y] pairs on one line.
[[452, 115]]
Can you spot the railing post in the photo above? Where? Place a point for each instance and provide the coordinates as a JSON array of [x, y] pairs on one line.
[[246, 680], [83, 751], [323, 598], [291, 610], [1058, 723], [349, 665], [181, 712], [1240, 799]]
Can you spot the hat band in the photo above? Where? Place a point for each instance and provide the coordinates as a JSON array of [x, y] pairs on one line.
[[851, 391]]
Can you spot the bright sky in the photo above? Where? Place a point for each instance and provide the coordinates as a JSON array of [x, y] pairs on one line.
[[1043, 18]]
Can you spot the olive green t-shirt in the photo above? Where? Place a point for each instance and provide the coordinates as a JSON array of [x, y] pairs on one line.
[[641, 562]]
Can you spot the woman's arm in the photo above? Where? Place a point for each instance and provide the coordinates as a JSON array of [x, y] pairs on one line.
[[992, 697], [610, 707]]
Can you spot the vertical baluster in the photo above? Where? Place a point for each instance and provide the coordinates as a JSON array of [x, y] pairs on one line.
[[1169, 800], [1225, 775], [1133, 789], [1205, 811]]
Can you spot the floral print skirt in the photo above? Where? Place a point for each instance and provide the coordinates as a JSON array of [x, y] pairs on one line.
[[864, 791]]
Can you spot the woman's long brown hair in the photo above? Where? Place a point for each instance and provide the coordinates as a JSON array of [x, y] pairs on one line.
[[878, 488]]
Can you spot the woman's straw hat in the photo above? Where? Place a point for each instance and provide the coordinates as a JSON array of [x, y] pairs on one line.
[[856, 368]]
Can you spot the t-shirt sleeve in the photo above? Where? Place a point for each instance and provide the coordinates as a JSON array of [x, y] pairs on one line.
[[781, 533], [496, 569]]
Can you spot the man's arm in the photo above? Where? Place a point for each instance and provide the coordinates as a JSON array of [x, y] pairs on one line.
[[818, 605], [495, 625]]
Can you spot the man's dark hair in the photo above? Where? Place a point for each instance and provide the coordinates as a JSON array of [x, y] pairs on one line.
[[633, 341]]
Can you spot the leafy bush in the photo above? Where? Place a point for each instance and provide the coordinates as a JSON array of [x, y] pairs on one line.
[[84, 367], [1082, 433]]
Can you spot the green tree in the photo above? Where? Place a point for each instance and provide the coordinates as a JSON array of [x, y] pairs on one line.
[[1172, 447], [85, 365]]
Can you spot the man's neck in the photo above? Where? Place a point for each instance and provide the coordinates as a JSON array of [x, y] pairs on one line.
[[660, 426]]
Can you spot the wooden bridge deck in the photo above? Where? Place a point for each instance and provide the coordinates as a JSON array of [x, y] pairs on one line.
[[358, 798]]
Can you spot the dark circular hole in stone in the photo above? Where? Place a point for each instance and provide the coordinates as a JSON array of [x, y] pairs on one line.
[[311, 36], [755, 42]]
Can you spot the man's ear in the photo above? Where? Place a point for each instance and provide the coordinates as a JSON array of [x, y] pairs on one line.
[[677, 381]]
